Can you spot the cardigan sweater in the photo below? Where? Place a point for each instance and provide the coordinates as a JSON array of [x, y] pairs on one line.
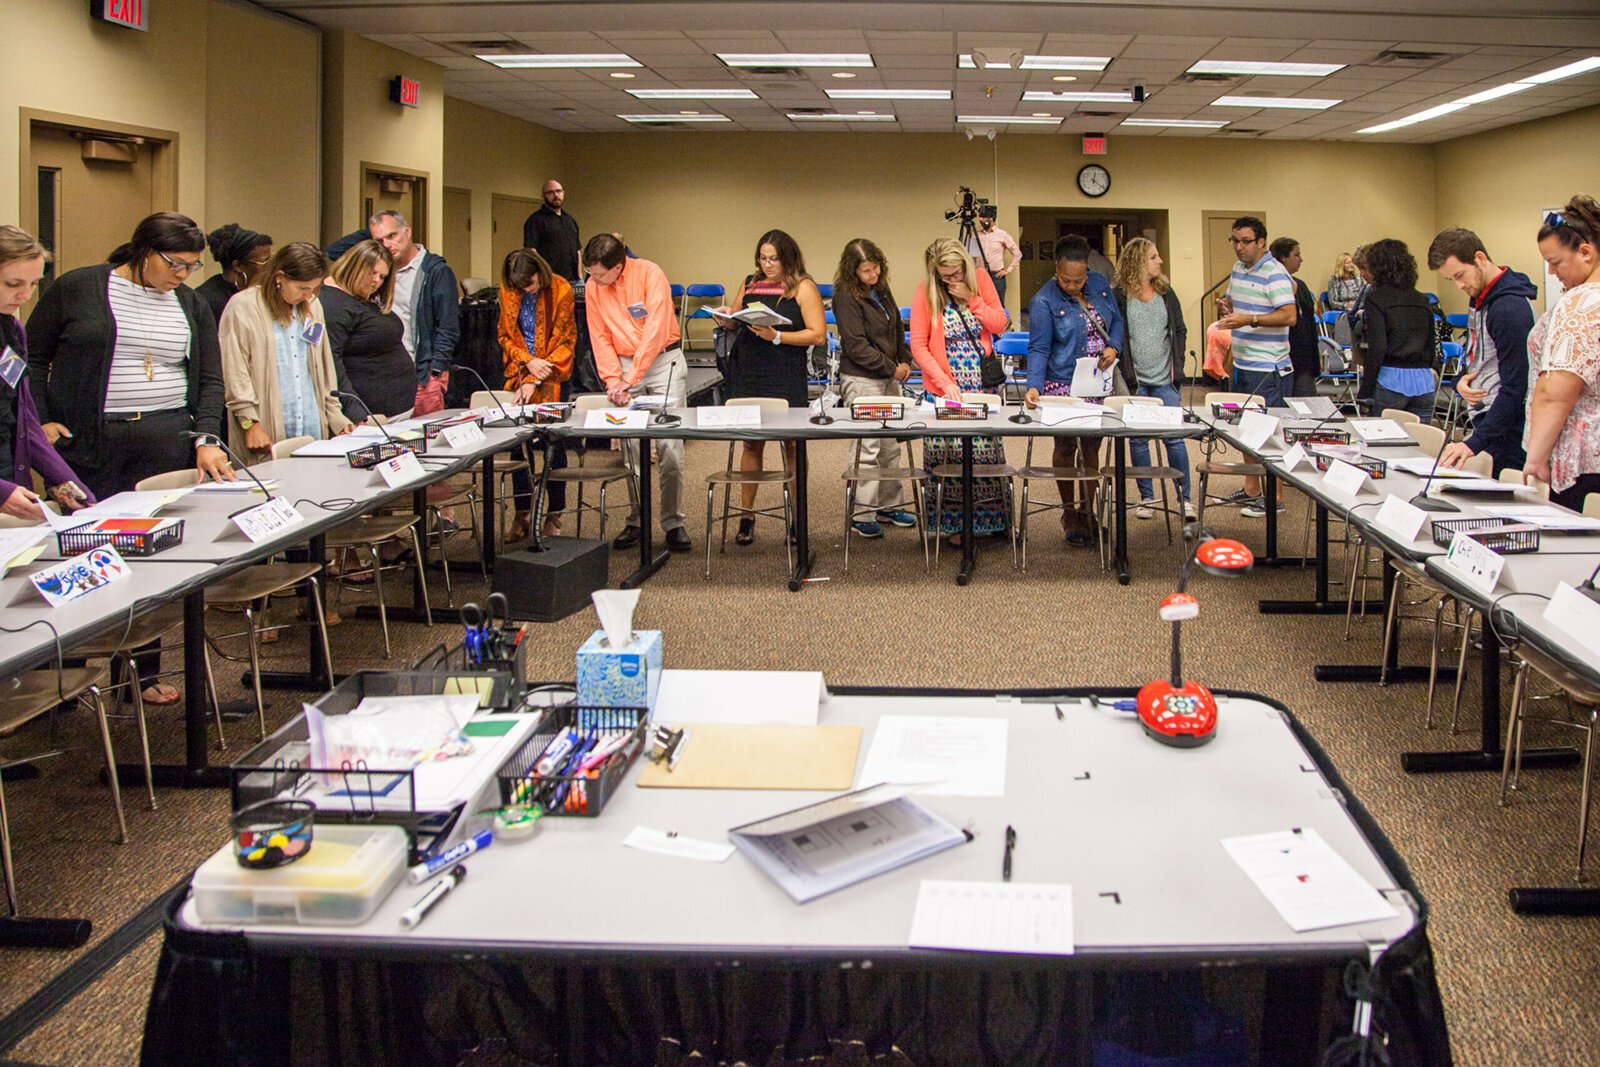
[[30, 448], [1177, 340], [250, 372], [556, 342], [71, 336], [927, 344]]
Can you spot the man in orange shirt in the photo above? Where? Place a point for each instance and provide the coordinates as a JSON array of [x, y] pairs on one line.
[[633, 329]]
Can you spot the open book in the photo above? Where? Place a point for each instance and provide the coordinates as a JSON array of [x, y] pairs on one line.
[[755, 314]]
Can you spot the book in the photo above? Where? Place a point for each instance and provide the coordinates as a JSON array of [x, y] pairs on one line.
[[824, 847], [755, 314]]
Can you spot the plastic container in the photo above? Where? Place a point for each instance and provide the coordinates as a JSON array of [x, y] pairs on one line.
[[340, 882]]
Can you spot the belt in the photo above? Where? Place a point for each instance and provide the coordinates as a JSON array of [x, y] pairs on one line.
[[140, 416]]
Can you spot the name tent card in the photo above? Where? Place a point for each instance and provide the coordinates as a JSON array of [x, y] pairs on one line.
[[723, 417], [1400, 518], [1575, 615], [467, 433], [1475, 563], [267, 520], [1379, 430], [1255, 428], [1342, 477], [1296, 455], [72, 578], [401, 469], [1151, 415]]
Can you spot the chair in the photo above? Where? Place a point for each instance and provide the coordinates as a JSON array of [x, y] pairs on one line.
[[1591, 503], [1010, 347], [1401, 416], [704, 296], [506, 466], [732, 476], [1514, 475], [1209, 446], [943, 473], [1428, 438], [1156, 472], [1030, 473], [280, 450], [594, 466], [1482, 464], [1580, 696], [910, 473]]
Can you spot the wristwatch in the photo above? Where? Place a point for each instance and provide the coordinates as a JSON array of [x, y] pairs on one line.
[[208, 441], [245, 424]]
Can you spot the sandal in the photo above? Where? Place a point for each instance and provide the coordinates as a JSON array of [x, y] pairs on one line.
[[159, 695], [551, 527], [747, 532], [519, 527]]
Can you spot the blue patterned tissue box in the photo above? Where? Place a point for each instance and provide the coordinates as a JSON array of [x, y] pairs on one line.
[[620, 678]]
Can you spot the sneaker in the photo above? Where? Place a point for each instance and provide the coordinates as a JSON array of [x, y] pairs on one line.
[[1145, 510], [1256, 509], [1190, 514], [1238, 496], [867, 529], [895, 518]]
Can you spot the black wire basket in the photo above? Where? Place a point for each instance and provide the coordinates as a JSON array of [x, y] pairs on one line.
[[1501, 535], [128, 543]]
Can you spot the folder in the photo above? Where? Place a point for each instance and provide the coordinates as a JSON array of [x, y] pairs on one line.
[[727, 756]]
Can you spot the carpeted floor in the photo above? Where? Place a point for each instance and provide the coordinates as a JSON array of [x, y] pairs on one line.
[[1518, 991]]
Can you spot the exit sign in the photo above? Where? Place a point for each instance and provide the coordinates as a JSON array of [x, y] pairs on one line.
[[1094, 144], [134, 14], [405, 91]]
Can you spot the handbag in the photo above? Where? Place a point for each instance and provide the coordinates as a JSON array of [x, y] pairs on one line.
[[991, 368], [1119, 384], [724, 341]]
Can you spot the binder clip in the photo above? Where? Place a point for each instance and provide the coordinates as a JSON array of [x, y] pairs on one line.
[[667, 745]]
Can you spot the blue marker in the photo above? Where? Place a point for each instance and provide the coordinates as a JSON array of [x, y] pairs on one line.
[[428, 868]]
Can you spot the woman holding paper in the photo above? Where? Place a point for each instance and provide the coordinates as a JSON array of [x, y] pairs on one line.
[[23, 445], [277, 363], [770, 361], [538, 335], [953, 313]]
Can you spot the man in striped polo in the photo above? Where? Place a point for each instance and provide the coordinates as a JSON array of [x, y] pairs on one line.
[[1259, 309]]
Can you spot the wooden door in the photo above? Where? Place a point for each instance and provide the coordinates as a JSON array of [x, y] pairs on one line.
[[385, 190], [507, 214], [457, 248], [1219, 257], [97, 203]]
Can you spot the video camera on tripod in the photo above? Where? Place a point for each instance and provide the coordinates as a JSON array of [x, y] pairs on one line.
[[969, 208]]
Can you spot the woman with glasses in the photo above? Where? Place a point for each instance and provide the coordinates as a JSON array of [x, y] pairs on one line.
[[240, 254], [770, 361], [277, 363], [126, 373], [953, 313]]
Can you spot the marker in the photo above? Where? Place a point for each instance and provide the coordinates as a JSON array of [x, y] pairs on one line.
[[816, 579], [428, 868], [414, 914]]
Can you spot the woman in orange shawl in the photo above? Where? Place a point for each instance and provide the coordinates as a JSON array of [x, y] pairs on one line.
[[537, 335]]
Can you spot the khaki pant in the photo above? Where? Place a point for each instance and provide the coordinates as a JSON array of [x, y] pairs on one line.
[[877, 453], [669, 453]]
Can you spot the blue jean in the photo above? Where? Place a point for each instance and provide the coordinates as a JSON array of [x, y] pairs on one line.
[[1177, 451], [1421, 405]]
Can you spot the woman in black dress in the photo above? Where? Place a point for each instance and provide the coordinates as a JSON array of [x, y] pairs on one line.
[[771, 362], [365, 334]]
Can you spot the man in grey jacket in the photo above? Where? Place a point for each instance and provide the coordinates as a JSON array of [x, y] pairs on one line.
[[426, 297]]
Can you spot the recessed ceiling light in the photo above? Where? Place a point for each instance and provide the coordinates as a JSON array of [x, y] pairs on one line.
[[843, 74], [1177, 124], [796, 59], [966, 62], [1043, 115], [991, 120], [647, 119], [621, 74], [860, 116], [1496, 93], [1282, 70], [693, 94], [1421, 116], [889, 94], [1083, 97], [688, 112], [1571, 70], [553, 61], [1065, 78], [1303, 103]]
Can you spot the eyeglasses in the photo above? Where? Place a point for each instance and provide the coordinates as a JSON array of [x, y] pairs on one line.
[[181, 266], [1243, 240], [1555, 219], [954, 276], [768, 259]]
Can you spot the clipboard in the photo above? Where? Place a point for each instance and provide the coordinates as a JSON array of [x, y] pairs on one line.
[[764, 756]]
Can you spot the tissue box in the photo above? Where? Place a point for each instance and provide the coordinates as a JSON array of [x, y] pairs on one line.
[[626, 677]]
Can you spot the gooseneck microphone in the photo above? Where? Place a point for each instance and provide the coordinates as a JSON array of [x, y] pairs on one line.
[[493, 394], [196, 435], [1422, 499], [662, 418], [341, 394]]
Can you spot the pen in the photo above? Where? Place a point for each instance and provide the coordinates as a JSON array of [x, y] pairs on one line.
[[414, 914], [1011, 845]]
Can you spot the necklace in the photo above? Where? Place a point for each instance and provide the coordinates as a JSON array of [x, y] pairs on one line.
[[140, 293]]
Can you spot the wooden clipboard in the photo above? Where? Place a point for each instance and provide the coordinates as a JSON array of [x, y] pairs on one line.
[[730, 756]]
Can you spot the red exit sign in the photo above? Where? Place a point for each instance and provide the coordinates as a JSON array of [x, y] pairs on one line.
[[405, 91], [134, 14], [1094, 144]]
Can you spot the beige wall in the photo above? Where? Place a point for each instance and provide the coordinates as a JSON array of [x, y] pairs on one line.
[[261, 164], [361, 125], [1497, 183], [703, 199], [489, 153]]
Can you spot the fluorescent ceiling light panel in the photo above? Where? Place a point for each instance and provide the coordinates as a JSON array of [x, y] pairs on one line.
[[647, 119], [1304, 103], [995, 120], [1177, 124], [693, 94], [1571, 70], [796, 59], [966, 62], [553, 61], [1421, 116], [1086, 97], [889, 94], [1282, 70], [1496, 93], [834, 117]]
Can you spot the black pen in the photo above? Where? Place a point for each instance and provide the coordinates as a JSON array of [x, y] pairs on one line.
[[414, 914], [1011, 844]]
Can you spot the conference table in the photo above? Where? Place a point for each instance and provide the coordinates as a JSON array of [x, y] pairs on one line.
[[800, 426], [572, 948]]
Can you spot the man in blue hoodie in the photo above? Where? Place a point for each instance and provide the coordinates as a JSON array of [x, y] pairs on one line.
[[1494, 378], [428, 301]]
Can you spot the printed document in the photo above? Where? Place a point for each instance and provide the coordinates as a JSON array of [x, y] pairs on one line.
[[956, 756], [994, 917], [1308, 883]]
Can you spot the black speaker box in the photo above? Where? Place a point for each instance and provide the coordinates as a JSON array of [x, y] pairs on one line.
[[553, 583]]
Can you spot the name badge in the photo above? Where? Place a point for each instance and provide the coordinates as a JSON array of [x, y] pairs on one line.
[[11, 367], [637, 311], [313, 334]]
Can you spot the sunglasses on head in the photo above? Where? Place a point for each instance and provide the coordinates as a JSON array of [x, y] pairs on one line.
[[1555, 220]]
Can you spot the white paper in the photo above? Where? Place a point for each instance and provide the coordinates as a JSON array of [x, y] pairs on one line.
[[342, 445], [267, 519], [1344, 478], [1309, 884], [15, 542], [1475, 563], [959, 756], [1478, 484], [1034, 917], [72, 578], [1379, 430], [1089, 380], [615, 419], [1151, 415], [1255, 427], [462, 435], [1400, 518], [1056, 414], [737, 415], [400, 470], [1422, 467], [1576, 616], [462, 707], [1296, 455], [1544, 516], [648, 402], [1299, 407], [672, 844], [243, 485], [787, 697], [133, 504]]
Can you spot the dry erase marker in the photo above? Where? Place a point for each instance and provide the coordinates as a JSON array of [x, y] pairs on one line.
[[414, 914], [428, 868]]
